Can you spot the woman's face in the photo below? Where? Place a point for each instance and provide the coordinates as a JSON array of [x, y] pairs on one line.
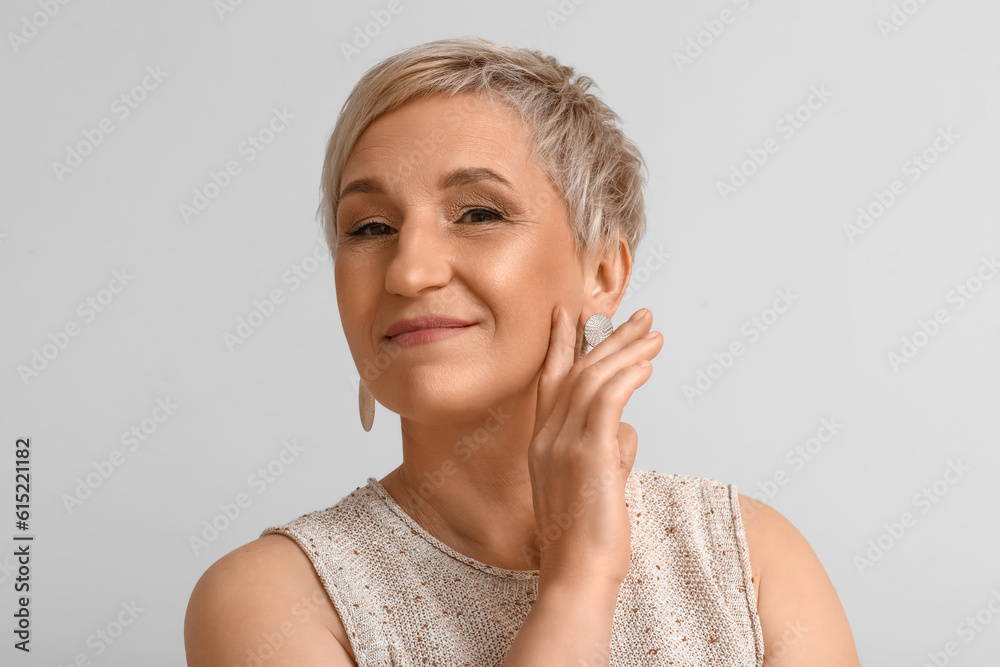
[[444, 213]]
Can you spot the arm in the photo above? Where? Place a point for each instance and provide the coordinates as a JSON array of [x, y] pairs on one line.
[[801, 617], [254, 601], [580, 444], [569, 624]]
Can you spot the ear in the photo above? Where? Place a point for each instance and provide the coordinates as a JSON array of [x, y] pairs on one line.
[[607, 273]]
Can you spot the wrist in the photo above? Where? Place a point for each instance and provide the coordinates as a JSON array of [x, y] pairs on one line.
[[580, 588]]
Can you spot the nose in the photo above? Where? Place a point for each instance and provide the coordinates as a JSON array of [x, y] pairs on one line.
[[422, 257]]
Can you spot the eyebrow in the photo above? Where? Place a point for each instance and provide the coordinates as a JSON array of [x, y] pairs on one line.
[[452, 179]]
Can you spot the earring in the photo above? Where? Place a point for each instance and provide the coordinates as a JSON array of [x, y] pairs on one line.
[[597, 329], [366, 405]]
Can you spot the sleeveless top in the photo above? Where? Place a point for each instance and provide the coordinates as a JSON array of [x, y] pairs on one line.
[[406, 599]]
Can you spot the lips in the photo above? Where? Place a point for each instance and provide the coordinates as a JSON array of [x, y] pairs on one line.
[[429, 322]]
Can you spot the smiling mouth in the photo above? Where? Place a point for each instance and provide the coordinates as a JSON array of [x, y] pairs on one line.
[[424, 336]]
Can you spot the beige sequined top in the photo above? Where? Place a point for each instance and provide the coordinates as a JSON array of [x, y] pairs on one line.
[[407, 599]]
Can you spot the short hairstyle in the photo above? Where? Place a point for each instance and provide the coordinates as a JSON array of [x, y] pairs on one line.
[[577, 138]]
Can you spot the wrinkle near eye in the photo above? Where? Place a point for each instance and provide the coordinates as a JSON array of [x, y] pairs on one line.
[[481, 196]]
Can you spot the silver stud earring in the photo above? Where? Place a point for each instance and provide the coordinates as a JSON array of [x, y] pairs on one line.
[[366, 405], [598, 328]]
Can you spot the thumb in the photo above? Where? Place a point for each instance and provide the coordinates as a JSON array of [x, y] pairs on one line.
[[628, 443]]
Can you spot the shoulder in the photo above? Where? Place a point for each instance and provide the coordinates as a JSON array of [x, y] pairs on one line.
[[801, 616], [682, 494], [778, 551], [674, 484], [255, 597], [766, 532]]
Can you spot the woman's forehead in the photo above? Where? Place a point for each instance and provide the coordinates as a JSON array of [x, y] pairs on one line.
[[432, 138], [435, 122]]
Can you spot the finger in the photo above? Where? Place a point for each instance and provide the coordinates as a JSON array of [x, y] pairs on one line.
[[558, 360], [578, 346], [606, 409], [628, 445], [633, 328], [590, 379], [562, 400]]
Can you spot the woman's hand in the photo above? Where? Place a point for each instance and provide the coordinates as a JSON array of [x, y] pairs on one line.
[[581, 453]]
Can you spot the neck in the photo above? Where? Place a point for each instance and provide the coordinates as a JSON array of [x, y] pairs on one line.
[[468, 485]]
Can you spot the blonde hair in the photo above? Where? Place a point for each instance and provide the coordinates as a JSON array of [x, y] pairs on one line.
[[577, 138]]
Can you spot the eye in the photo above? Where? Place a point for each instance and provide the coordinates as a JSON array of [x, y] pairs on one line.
[[479, 212], [475, 213], [360, 231]]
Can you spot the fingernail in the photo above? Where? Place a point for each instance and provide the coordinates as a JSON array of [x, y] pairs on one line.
[[651, 334], [639, 314]]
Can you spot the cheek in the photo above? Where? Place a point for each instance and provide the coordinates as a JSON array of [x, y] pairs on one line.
[[357, 296], [521, 255], [525, 277]]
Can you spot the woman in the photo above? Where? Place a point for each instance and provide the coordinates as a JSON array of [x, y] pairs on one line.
[[483, 210]]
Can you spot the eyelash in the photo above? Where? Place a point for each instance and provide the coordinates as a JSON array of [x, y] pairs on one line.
[[357, 231]]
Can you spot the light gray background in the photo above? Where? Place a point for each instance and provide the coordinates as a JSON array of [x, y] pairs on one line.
[[162, 337]]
